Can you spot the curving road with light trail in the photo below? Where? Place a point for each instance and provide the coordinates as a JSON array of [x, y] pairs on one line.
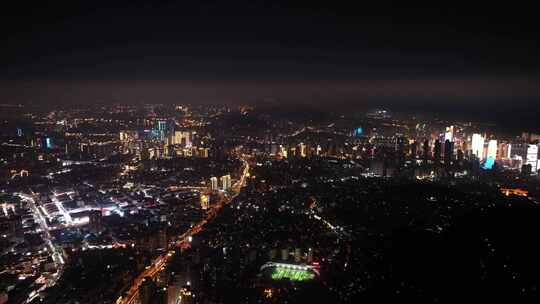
[[183, 240]]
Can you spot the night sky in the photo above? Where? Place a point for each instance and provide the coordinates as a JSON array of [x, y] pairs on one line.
[[469, 56]]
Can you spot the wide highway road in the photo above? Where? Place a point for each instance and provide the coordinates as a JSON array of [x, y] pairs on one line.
[[183, 240]]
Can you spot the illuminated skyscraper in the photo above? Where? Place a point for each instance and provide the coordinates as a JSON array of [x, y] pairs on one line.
[[302, 147], [186, 295], [504, 151], [177, 137], [449, 134], [283, 151], [492, 149], [358, 131], [213, 183], [48, 143], [161, 125], [182, 138], [187, 136], [203, 152], [293, 152], [123, 136], [490, 162], [226, 182], [205, 200], [532, 158], [478, 146]]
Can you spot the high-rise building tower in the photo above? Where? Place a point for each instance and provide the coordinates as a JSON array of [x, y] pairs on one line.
[[48, 143], [426, 151], [182, 138], [123, 136], [226, 182], [283, 151], [302, 148], [449, 134], [205, 201], [478, 146], [162, 125], [177, 137], [213, 183], [414, 148], [448, 152], [532, 158], [437, 151], [504, 150], [492, 149]]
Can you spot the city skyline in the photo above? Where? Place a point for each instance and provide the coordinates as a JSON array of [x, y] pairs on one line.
[[312, 53], [216, 152], [166, 202]]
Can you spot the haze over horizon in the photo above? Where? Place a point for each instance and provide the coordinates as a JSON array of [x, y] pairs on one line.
[[459, 58]]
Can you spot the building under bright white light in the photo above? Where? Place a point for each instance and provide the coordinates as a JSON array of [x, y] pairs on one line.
[[226, 182], [213, 183], [492, 149], [478, 146], [532, 158], [449, 134]]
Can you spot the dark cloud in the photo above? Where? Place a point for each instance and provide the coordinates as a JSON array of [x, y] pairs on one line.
[[245, 51], [253, 91]]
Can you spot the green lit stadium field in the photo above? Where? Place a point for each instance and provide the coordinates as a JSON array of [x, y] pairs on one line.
[[292, 274]]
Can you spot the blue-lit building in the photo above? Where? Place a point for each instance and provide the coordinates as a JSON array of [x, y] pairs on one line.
[[358, 131], [490, 162], [161, 128], [48, 143], [162, 125]]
